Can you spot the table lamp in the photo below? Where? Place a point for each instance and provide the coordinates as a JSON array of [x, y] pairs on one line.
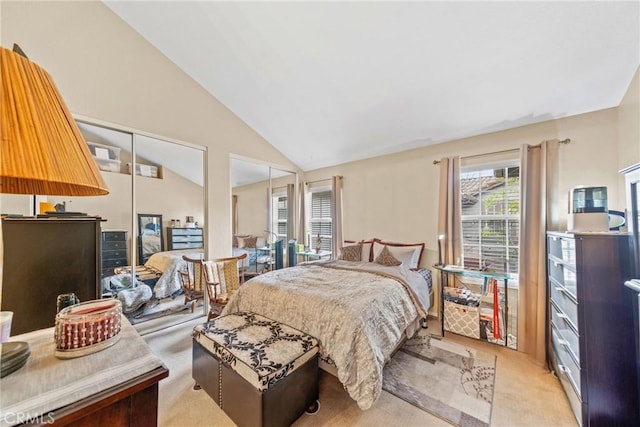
[[41, 148]]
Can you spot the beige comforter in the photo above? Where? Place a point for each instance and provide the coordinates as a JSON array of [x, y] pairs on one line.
[[357, 310]]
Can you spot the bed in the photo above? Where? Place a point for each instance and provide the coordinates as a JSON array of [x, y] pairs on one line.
[[360, 311], [170, 263]]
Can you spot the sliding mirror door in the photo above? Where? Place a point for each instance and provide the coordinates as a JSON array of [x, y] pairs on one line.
[[169, 186], [283, 214], [263, 209]]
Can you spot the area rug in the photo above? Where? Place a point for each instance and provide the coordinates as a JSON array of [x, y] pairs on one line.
[[446, 379]]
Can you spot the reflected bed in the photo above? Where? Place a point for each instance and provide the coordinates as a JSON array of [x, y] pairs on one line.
[[170, 263]]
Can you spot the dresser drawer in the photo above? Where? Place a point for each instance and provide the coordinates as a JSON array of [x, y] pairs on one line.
[[109, 245], [565, 275], [186, 232], [187, 245], [567, 336], [563, 373], [180, 238], [566, 363], [114, 235], [562, 248], [565, 301], [112, 263], [121, 253]]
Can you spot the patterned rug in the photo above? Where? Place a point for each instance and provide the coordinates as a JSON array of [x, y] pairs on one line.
[[446, 379]]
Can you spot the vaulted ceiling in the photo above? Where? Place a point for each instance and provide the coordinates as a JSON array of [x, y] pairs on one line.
[[331, 82]]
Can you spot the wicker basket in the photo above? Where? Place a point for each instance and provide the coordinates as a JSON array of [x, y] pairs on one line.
[[88, 327]]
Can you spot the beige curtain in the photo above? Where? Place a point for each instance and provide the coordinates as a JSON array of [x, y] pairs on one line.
[[291, 212], [234, 214], [336, 214], [449, 210], [302, 220], [538, 213]]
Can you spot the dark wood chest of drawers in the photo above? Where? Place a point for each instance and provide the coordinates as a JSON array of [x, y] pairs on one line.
[[591, 333], [114, 251]]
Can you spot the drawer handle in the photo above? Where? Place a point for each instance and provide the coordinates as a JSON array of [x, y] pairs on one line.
[[563, 316], [564, 369], [559, 289]]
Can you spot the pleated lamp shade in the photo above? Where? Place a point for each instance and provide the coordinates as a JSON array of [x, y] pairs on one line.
[[42, 150]]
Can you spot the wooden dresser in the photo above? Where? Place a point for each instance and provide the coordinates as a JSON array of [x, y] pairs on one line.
[[46, 257], [185, 238], [117, 386], [591, 325], [114, 251]]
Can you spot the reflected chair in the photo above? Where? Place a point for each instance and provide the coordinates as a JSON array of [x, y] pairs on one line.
[[193, 281], [223, 278]]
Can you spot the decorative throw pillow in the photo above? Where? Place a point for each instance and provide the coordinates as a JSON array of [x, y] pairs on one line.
[[250, 241], [385, 258], [351, 252]]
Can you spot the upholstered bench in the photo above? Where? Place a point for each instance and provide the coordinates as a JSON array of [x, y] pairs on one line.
[[259, 371]]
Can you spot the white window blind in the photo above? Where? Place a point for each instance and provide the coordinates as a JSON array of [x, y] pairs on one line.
[[280, 216], [320, 219], [490, 199]]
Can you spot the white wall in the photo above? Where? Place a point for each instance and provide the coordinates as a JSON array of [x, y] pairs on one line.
[[107, 71]]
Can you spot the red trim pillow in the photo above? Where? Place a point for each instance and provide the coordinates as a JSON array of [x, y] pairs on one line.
[[367, 245]]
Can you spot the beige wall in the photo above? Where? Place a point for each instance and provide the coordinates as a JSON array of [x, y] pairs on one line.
[[395, 197], [107, 71], [629, 127]]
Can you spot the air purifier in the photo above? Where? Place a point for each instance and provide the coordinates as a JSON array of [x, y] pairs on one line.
[[588, 209]]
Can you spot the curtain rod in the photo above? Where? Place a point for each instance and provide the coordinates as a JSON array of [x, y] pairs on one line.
[[564, 141], [320, 180]]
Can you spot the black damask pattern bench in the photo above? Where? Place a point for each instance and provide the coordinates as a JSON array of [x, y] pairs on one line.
[[259, 371]]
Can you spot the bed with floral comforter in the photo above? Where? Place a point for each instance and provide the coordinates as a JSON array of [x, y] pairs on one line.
[[359, 311]]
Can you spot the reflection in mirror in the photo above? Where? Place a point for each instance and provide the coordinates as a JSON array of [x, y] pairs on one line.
[[150, 238], [168, 182], [263, 202]]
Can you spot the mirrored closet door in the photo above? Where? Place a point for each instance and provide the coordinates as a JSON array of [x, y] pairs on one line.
[[156, 201], [263, 206]]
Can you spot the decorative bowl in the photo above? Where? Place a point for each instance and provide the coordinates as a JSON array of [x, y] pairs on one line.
[[87, 327]]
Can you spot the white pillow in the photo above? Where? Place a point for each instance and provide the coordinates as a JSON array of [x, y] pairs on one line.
[[409, 255]]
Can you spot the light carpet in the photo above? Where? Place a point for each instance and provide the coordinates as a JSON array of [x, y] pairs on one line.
[[443, 378]]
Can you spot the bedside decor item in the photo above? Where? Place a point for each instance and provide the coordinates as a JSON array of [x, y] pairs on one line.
[[88, 327]]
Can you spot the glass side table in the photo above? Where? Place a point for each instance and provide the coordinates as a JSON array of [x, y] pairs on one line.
[[475, 304]]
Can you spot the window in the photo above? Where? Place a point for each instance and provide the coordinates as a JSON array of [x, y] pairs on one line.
[[490, 201], [320, 219], [280, 215]]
